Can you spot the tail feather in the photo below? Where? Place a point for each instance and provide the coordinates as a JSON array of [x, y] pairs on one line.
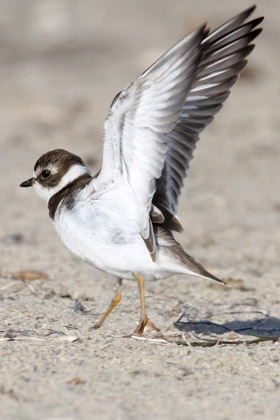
[[196, 267], [187, 263]]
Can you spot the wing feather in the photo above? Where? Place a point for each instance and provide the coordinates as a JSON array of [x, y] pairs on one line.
[[153, 125], [223, 58], [140, 118]]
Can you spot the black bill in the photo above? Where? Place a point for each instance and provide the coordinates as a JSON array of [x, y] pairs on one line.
[[27, 183]]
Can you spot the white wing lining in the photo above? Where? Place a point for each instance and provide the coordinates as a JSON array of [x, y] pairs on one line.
[[153, 125], [144, 113]]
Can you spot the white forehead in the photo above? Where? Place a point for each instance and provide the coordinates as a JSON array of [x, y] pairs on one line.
[[53, 168]]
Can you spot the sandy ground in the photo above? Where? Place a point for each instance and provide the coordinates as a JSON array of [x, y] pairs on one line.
[[62, 62]]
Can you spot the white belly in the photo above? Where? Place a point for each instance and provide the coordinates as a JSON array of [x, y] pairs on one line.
[[106, 240], [105, 233]]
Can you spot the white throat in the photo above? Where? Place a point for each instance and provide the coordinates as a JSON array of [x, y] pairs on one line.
[[73, 173]]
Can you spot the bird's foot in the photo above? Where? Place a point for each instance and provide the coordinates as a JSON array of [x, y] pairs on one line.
[[96, 326], [142, 324]]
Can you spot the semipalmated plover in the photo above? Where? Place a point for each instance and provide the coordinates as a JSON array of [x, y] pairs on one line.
[[121, 220]]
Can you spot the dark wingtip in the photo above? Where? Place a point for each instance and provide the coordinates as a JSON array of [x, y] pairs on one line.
[[258, 20], [249, 11], [251, 8]]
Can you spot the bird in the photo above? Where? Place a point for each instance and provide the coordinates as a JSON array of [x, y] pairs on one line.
[[122, 220]]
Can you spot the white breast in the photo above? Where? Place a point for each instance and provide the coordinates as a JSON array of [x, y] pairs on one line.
[[102, 231]]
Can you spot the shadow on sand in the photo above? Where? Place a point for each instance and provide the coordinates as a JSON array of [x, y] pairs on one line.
[[265, 327]]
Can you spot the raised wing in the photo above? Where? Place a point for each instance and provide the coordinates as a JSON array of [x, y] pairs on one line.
[[153, 125], [223, 58], [140, 119]]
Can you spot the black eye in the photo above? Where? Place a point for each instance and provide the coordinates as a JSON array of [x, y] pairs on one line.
[[45, 174]]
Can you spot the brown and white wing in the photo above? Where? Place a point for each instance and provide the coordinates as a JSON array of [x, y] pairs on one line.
[[140, 118], [223, 57]]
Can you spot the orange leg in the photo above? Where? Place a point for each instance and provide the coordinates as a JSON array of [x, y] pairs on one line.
[[144, 320], [116, 299]]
